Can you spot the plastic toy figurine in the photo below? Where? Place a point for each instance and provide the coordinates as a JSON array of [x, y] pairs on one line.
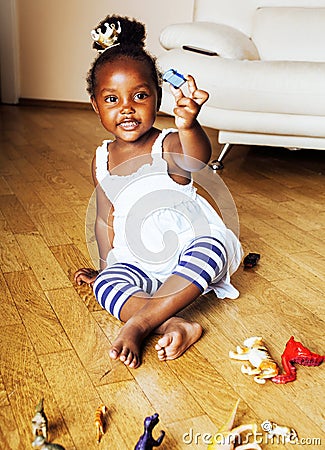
[[41, 442], [146, 441], [287, 435], [261, 363], [251, 260], [100, 414], [174, 78], [39, 421], [227, 435], [295, 352]]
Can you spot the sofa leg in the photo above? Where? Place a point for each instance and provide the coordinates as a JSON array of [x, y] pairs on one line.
[[217, 164]]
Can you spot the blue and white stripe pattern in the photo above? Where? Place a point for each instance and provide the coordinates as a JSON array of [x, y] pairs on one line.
[[202, 262], [116, 284]]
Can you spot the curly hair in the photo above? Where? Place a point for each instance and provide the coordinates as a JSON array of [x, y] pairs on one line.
[[131, 42]]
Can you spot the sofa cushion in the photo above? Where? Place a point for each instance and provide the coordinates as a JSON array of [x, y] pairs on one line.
[[226, 41], [289, 34], [282, 87]]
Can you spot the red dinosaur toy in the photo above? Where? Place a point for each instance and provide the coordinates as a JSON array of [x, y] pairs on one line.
[[295, 352]]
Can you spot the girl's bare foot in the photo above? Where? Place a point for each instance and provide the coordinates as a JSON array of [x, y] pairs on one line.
[[127, 345], [179, 335]]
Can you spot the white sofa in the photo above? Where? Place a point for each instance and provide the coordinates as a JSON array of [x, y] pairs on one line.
[[267, 82]]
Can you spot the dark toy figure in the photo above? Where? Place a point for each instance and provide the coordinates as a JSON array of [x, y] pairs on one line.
[[146, 441], [44, 445], [251, 260], [295, 352]]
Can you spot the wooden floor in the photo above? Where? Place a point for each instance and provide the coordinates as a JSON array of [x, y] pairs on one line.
[[54, 338]]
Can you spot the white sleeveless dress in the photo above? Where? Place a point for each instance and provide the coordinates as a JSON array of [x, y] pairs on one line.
[[155, 218]]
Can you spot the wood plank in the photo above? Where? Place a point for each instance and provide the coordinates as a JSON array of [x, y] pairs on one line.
[[11, 256], [71, 259], [15, 214], [128, 406], [206, 385], [44, 265], [42, 325], [313, 262], [306, 293], [74, 227], [155, 378], [4, 401], [76, 396], [9, 312], [91, 345], [158, 382], [9, 434], [303, 217], [25, 384], [4, 187], [45, 221]]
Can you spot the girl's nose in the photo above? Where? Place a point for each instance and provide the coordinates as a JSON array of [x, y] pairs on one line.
[[127, 107]]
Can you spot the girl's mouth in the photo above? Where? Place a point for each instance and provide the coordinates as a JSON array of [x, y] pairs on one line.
[[129, 124]]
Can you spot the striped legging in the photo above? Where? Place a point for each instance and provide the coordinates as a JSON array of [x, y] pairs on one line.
[[202, 262]]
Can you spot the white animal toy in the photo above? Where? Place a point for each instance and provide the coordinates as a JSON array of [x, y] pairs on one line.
[[260, 361]]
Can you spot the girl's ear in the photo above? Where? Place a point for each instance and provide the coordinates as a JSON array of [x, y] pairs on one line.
[[94, 104]]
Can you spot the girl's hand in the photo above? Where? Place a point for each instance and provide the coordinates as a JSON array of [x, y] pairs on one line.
[[188, 108], [85, 275]]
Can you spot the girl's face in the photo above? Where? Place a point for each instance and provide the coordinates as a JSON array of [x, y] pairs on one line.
[[125, 99]]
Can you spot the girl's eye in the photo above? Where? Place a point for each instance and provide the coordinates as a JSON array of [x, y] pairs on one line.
[[111, 99], [141, 96]]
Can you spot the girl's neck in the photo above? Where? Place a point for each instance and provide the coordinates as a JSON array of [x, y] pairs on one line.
[[122, 151], [141, 145]]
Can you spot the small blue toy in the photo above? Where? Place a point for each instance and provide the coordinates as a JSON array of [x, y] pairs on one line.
[[174, 78]]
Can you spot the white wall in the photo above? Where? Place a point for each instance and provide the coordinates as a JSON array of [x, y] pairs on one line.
[[55, 43], [9, 46]]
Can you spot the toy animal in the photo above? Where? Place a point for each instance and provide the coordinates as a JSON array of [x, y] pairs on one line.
[[251, 260], [226, 435], [146, 441], [39, 421], [295, 352], [44, 445], [100, 414], [261, 364], [287, 435]]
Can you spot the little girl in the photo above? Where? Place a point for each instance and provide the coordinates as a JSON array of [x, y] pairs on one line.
[[161, 245]]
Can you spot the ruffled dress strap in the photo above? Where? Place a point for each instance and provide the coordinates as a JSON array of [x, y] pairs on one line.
[[157, 148], [102, 160]]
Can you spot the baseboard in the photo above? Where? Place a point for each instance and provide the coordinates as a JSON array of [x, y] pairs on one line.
[[53, 103]]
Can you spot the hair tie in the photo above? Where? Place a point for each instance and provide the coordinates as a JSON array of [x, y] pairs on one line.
[[108, 39]]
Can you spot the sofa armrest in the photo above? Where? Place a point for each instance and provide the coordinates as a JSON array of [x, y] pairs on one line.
[[226, 41]]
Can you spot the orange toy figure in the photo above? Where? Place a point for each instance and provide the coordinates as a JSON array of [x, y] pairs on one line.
[[99, 421], [226, 435], [295, 352], [261, 364]]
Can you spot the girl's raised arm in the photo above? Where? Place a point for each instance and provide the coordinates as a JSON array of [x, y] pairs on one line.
[[191, 147]]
